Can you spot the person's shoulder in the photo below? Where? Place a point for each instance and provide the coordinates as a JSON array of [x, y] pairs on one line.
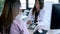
[[17, 21], [30, 12], [31, 9], [42, 10]]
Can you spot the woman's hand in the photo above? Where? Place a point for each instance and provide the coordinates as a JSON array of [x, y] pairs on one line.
[[29, 22]]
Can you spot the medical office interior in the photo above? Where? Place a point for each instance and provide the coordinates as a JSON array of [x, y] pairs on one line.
[[43, 28]]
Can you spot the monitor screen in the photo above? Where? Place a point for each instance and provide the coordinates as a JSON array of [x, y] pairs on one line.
[[55, 17]]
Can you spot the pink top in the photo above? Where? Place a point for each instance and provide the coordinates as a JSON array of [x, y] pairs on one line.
[[18, 26]]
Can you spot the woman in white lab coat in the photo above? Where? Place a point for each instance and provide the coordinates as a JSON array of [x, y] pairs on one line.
[[17, 25], [37, 13]]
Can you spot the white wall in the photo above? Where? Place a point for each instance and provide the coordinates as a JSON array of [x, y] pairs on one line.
[[23, 4], [55, 1], [48, 9]]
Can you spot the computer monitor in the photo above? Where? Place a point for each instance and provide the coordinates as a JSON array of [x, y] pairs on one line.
[[55, 17]]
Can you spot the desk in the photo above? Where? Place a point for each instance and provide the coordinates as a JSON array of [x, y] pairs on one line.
[[49, 32], [53, 31], [30, 31]]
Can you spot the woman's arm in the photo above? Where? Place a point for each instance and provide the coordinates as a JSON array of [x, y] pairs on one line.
[[29, 17]]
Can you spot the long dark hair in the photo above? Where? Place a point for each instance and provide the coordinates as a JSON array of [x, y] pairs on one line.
[[16, 4], [41, 3], [12, 13], [34, 11], [7, 16]]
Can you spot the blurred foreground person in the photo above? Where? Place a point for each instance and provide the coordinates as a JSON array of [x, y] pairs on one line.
[[17, 25]]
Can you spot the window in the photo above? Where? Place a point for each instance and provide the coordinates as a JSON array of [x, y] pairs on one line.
[[23, 4], [27, 4], [31, 3], [1, 6]]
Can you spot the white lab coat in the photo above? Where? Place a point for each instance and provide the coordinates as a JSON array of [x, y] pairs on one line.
[[30, 16], [40, 16], [42, 19]]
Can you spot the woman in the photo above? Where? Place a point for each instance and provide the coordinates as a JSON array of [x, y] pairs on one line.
[[37, 16], [37, 13], [17, 25]]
